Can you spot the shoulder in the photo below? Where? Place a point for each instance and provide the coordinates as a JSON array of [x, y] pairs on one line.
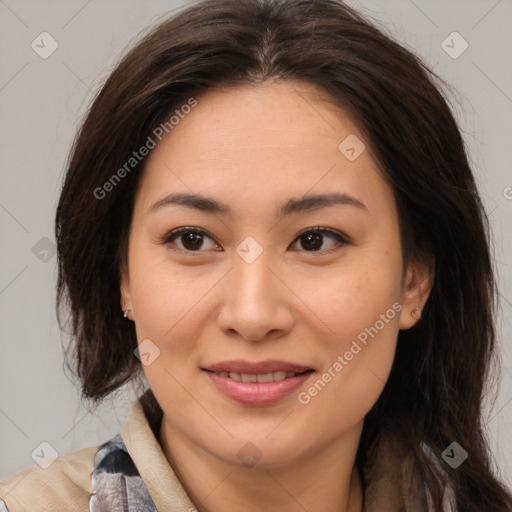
[[64, 485]]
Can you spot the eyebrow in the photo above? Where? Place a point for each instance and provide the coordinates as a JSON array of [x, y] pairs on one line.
[[293, 205]]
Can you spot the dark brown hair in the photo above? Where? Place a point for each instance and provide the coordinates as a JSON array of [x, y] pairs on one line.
[[434, 393]]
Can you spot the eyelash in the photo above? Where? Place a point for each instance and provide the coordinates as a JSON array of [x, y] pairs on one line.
[[172, 235]]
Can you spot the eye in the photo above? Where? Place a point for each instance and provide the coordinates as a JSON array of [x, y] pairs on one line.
[[191, 239], [312, 239]]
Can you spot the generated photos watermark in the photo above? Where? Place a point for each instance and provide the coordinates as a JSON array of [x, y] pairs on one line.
[[304, 397], [137, 156]]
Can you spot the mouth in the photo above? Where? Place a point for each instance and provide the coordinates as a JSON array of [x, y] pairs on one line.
[[259, 377], [262, 383]]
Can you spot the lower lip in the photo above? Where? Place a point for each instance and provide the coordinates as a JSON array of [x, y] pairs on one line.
[[258, 393]]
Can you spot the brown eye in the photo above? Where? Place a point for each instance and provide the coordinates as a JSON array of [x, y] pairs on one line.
[[313, 239], [192, 240], [189, 239]]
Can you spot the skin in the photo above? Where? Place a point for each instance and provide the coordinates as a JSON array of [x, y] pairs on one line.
[[254, 148]]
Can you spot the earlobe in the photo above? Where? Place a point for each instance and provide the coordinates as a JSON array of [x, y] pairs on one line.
[[416, 290], [416, 313]]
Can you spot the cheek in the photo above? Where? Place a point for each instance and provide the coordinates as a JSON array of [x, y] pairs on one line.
[[353, 296], [165, 296], [360, 305], [356, 369]]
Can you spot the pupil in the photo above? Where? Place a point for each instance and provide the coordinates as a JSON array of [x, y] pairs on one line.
[[314, 239], [194, 239]]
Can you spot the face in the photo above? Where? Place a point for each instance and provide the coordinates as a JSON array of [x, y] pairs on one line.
[[268, 316]]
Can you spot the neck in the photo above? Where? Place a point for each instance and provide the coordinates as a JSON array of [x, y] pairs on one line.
[[323, 481]]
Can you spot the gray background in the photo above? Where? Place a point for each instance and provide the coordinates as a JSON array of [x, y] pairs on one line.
[[41, 104]]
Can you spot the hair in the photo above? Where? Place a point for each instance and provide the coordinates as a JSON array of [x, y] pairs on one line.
[[439, 376]]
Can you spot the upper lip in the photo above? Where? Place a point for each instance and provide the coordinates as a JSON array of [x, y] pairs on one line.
[[269, 366]]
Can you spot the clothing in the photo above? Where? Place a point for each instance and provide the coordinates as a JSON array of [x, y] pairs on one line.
[[130, 473]]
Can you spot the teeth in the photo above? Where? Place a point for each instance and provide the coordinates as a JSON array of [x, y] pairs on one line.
[[267, 377], [279, 376], [260, 377]]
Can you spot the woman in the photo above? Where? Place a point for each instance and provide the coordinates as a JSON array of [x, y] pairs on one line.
[[270, 207]]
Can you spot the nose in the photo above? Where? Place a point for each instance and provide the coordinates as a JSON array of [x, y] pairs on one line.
[[255, 303]]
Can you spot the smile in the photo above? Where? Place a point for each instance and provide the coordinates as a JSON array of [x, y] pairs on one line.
[[257, 384]]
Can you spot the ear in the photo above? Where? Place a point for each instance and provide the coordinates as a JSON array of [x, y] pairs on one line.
[[416, 287], [124, 281]]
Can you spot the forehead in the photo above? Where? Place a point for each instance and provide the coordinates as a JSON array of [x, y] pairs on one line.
[[260, 142]]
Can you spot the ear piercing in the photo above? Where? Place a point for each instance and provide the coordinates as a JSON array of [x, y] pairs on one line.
[[126, 313], [416, 313]]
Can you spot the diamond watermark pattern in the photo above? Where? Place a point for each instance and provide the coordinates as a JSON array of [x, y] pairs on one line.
[[351, 147], [44, 454], [44, 250], [249, 250], [249, 455], [44, 45], [147, 352], [454, 455], [454, 45]]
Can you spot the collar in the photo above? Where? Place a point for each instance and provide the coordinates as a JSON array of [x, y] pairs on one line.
[[140, 438]]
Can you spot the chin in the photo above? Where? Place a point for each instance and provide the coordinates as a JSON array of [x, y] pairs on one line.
[[260, 451]]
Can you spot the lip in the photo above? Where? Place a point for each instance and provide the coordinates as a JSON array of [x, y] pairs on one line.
[[257, 393]]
